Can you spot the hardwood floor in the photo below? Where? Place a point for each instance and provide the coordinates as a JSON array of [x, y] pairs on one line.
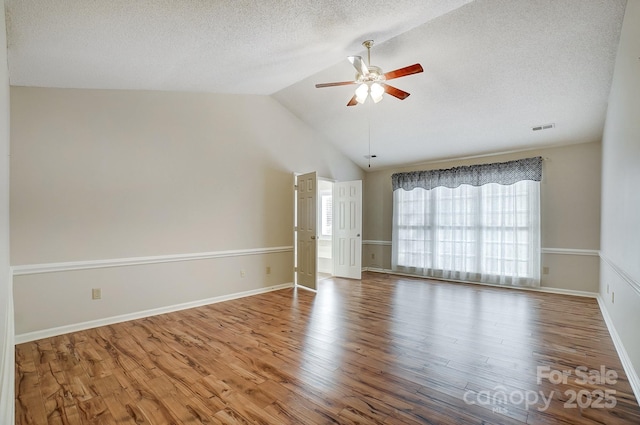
[[384, 350]]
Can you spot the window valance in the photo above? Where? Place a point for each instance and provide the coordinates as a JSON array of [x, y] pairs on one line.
[[504, 173]]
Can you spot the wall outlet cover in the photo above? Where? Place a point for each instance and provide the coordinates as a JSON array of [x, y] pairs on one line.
[[96, 293]]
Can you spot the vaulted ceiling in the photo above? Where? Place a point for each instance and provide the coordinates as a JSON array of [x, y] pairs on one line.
[[493, 69]]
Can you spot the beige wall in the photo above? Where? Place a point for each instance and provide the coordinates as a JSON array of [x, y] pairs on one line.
[[570, 212], [620, 268], [6, 302], [98, 174]]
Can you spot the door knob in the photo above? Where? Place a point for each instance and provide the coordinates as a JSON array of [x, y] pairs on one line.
[[358, 235], [313, 237]]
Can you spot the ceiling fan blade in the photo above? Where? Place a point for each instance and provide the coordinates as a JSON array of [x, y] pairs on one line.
[[353, 101], [341, 83], [400, 94], [407, 70], [359, 65]]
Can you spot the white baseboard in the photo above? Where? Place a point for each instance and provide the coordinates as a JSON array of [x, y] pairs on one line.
[[47, 333], [629, 370], [560, 291]]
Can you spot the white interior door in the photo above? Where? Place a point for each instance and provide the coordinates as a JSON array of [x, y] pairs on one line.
[[347, 229], [306, 232]]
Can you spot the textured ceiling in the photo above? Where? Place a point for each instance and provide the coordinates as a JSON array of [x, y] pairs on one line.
[[221, 46], [493, 68]]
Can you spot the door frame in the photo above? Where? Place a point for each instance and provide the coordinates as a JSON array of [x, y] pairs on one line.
[[295, 224]]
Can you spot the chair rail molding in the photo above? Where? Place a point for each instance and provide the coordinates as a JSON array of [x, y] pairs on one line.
[[134, 261], [621, 273], [374, 242], [570, 251], [558, 251]]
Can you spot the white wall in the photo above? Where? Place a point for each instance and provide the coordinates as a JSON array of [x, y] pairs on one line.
[[570, 213], [620, 235], [6, 297], [99, 175]]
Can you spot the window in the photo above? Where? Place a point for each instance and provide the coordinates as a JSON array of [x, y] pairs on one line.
[[485, 233], [327, 214]]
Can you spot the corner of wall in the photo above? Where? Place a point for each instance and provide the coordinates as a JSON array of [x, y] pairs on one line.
[[7, 384], [619, 295], [7, 363]]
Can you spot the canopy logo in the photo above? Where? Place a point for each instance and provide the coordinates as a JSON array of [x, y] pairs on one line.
[[499, 398]]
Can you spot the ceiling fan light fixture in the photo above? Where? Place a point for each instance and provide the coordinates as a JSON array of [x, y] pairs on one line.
[[361, 93], [376, 92], [371, 79]]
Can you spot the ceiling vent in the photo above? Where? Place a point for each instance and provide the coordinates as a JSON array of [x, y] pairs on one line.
[[543, 127]]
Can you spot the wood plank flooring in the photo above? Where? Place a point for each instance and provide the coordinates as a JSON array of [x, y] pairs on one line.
[[383, 350]]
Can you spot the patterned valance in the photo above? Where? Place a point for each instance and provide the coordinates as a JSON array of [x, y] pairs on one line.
[[504, 173]]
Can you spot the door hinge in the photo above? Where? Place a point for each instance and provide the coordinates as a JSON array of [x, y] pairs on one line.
[[295, 269], [295, 228], [295, 187]]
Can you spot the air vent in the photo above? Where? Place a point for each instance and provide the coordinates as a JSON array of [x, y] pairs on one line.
[[543, 127]]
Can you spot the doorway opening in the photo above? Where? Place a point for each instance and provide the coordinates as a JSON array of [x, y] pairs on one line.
[[325, 227]]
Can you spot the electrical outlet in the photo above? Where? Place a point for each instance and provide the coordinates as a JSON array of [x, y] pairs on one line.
[[242, 274], [96, 293], [268, 269], [373, 256], [545, 270]]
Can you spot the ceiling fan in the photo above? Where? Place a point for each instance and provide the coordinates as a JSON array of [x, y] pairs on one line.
[[371, 79]]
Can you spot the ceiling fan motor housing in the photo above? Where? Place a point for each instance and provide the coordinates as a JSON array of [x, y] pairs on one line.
[[375, 75]]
